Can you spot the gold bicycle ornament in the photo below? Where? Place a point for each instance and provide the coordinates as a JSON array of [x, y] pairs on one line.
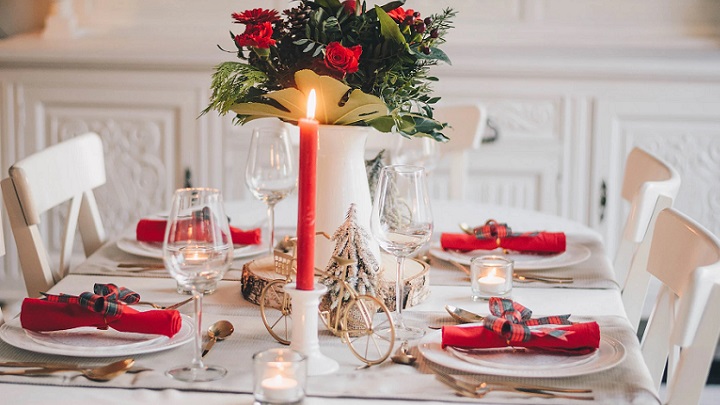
[[362, 321]]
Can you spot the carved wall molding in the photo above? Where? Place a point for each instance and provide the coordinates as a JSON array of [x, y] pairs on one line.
[[525, 118]]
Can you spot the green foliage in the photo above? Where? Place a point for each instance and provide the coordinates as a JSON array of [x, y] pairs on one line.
[[398, 51]]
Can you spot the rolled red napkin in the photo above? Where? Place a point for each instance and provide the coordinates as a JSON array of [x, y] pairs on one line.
[[153, 230], [511, 324], [583, 338], [43, 316], [536, 242], [105, 307]]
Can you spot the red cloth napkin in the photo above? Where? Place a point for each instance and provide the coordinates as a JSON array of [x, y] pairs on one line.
[[42, 316], [153, 230], [584, 338], [536, 242]]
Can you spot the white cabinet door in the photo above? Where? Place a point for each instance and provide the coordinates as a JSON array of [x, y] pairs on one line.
[[684, 132]]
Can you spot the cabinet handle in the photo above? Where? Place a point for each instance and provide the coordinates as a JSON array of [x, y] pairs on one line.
[[187, 182], [492, 132], [603, 200]]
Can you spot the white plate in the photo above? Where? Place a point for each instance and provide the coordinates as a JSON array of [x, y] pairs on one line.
[[129, 244], [573, 254], [92, 342], [525, 363]]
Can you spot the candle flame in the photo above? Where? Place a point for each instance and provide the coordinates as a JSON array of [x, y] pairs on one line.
[[492, 272], [312, 100]]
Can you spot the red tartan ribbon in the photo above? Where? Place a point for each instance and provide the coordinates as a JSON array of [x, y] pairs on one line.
[[497, 231], [107, 299], [512, 321], [492, 230]]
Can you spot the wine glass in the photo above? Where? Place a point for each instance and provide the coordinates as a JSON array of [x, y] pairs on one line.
[[270, 172], [417, 152], [197, 251], [401, 222]]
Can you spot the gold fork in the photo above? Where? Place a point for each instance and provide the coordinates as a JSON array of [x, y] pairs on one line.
[[158, 306], [487, 388]]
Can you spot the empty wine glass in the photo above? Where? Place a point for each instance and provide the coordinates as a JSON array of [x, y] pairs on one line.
[[402, 223], [416, 151], [197, 250], [270, 172]]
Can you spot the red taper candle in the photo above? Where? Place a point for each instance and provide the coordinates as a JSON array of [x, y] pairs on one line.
[[306, 198]]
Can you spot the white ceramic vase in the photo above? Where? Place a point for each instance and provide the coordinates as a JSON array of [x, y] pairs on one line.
[[341, 180]]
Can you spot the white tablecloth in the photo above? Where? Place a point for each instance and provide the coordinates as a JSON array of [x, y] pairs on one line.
[[228, 303]]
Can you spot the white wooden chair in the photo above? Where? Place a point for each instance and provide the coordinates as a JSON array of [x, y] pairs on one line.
[[684, 326], [467, 125], [65, 172], [646, 180]]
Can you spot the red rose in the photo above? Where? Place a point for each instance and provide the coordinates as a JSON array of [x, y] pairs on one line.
[[257, 36], [341, 58], [256, 16]]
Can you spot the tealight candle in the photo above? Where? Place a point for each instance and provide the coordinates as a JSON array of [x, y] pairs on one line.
[[279, 389], [491, 284], [490, 276], [280, 376]]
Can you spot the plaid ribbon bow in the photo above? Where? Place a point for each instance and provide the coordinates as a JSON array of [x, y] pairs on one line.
[[107, 299], [492, 230], [497, 231], [512, 321]]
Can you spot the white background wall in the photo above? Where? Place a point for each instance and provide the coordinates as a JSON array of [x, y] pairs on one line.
[[573, 85]]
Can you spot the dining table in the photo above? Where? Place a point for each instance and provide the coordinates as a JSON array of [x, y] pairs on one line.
[[616, 374]]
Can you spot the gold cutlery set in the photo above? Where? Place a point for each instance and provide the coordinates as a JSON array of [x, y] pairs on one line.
[[102, 373], [470, 389], [479, 390]]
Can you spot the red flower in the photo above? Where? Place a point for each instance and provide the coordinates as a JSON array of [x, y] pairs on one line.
[[256, 35], [350, 6], [256, 16], [341, 58], [400, 14]]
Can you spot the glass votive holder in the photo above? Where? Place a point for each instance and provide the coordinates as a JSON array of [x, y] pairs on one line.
[[280, 376], [490, 276]]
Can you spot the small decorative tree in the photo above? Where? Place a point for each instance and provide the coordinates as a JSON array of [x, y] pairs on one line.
[[373, 167], [361, 268]]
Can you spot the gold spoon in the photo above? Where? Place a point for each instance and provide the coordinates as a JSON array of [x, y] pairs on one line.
[[466, 228], [104, 373], [463, 315], [402, 356], [217, 331]]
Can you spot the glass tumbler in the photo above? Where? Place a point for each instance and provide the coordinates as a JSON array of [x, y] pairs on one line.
[[490, 276], [280, 376]]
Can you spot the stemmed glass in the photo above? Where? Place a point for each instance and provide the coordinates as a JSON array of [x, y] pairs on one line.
[[417, 152], [270, 172], [197, 251], [401, 222]]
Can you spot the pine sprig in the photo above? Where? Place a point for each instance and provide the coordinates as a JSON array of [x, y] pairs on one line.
[[232, 83]]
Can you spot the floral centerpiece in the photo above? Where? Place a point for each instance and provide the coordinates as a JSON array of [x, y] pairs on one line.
[[369, 65]]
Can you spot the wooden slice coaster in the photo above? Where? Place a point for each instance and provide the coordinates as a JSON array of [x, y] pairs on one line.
[[258, 273]]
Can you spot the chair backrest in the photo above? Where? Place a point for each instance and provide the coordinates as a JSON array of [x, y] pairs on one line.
[[466, 127], [65, 172], [647, 179], [684, 326]]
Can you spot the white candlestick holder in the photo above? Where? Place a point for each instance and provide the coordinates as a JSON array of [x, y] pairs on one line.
[[304, 336]]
